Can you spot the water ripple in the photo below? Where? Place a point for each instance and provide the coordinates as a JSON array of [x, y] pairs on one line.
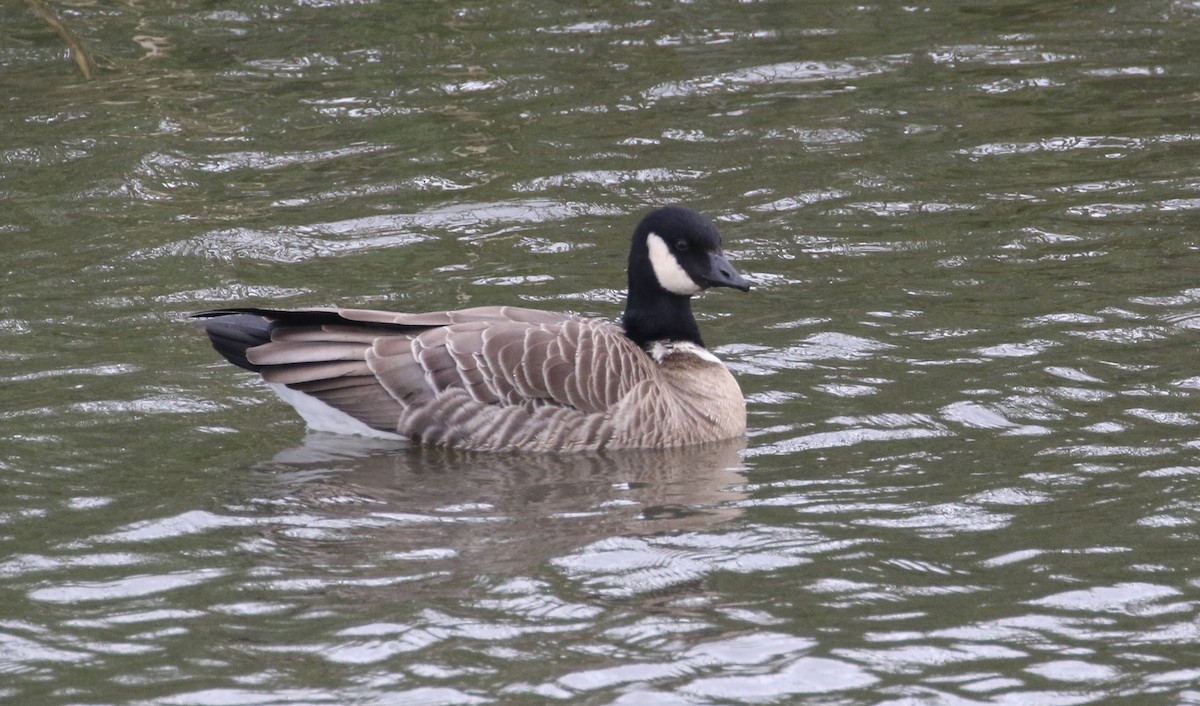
[[624, 566], [774, 75], [300, 244], [132, 587]]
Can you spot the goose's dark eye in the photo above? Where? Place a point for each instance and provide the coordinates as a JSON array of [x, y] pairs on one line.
[[682, 246]]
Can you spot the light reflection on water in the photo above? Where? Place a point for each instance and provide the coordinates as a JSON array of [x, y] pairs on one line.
[[968, 356]]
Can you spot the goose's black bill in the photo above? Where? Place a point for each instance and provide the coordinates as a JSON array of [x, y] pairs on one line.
[[721, 274]]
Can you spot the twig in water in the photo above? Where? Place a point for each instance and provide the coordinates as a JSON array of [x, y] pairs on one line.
[[78, 53]]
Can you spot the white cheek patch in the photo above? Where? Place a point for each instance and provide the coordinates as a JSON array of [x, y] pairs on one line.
[[671, 276]]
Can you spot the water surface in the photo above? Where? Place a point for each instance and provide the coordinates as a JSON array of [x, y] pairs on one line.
[[971, 470]]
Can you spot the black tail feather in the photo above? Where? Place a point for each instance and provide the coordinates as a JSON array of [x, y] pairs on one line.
[[234, 330], [233, 334]]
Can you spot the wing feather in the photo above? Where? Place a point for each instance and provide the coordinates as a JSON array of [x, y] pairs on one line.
[[289, 353], [308, 372], [325, 334]]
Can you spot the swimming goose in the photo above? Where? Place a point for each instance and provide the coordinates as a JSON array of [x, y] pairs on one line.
[[503, 378]]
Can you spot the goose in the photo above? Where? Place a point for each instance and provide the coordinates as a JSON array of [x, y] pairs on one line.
[[512, 379]]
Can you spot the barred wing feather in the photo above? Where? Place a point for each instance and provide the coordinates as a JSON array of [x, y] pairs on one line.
[[488, 378]]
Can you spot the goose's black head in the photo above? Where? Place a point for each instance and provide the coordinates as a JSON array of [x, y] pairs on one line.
[[676, 254]]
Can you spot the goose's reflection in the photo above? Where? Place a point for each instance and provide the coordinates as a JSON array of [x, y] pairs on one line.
[[493, 511]]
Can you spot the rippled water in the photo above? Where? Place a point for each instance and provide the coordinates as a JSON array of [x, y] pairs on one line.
[[971, 475]]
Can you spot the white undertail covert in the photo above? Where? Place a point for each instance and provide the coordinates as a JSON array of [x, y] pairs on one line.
[[322, 417]]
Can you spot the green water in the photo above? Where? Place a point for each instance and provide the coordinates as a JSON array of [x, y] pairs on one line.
[[971, 471]]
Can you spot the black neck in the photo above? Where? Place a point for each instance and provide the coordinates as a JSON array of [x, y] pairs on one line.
[[652, 314]]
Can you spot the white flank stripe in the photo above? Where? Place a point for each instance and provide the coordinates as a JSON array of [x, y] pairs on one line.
[[322, 417], [671, 276]]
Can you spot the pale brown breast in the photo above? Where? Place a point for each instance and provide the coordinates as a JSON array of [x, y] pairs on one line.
[[692, 399]]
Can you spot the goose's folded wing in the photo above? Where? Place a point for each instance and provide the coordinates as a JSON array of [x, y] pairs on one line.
[[323, 352], [582, 364], [376, 365]]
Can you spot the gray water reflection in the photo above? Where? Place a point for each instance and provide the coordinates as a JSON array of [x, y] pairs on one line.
[[492, 513]]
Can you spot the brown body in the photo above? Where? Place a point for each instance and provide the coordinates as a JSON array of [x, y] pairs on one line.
[[500, 379]]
